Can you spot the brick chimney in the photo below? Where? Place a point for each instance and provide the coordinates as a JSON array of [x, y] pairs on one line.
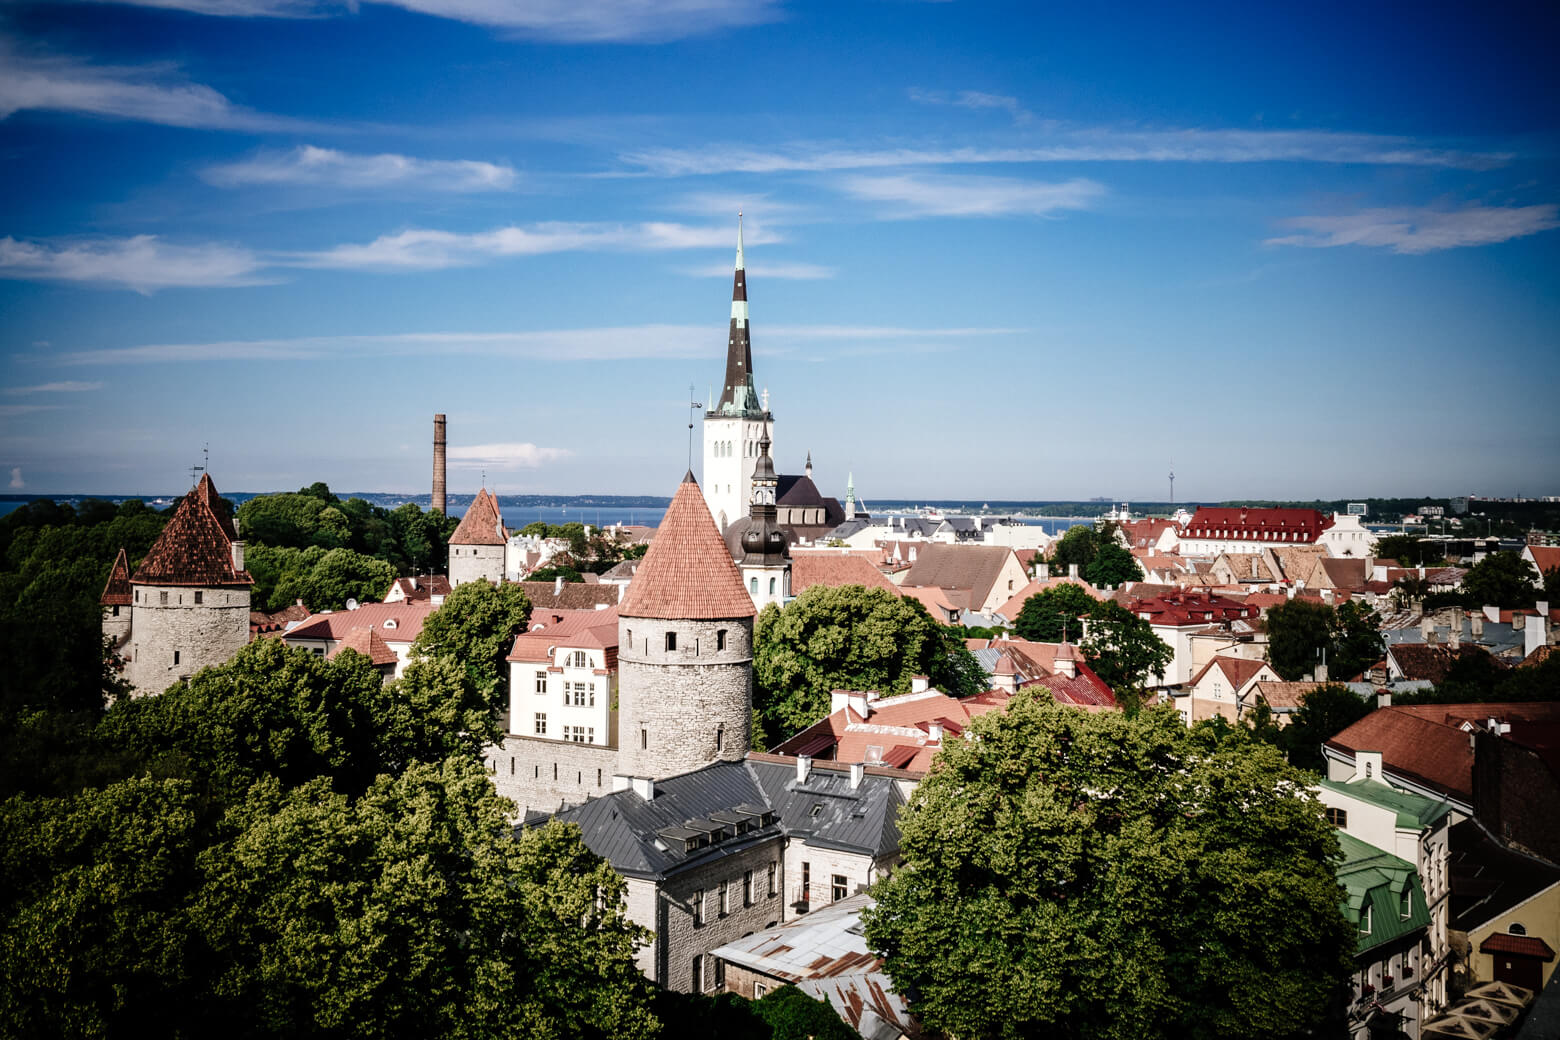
[[438, 462]]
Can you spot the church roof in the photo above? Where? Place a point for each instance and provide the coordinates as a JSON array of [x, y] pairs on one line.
[[482, 524], [117, 592], [687, 571], [196, 548], [738, 394]]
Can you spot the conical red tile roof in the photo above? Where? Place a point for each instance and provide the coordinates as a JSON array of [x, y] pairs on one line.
[[117, 592], [482, 524], [196, 548], [687, 571]]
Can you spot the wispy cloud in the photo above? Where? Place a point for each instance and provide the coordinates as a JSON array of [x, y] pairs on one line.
[[422, 250], [956, 195], [144, 93], [776, 270], [582, 21], [517, 455], [11, 411], [144, 263], [1096, 145], [68, 386], [973, 99], [558, 345], [1420, 229], [309, 165]]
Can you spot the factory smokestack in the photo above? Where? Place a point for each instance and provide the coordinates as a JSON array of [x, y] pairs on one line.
[[438, 462]]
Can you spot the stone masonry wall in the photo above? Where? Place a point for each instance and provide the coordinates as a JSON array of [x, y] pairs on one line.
[[473, 562], [538, 774], [168, 621], [116, 623], [679, 940], [682, 709], [823, 865]]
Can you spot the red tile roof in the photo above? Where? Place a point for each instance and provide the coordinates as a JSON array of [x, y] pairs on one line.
[[420, 588], [569, 629], [1084, 690], [687, 571], [974, 568], [1429, 752], [571, 595], [1257, 524], [1237, 670], [1521, 945], [367, 642], [117, 592], [482, 524], [835, 569], [196, 548], [395, 622], [1430, 661], [1547, 557], [1190, 608]]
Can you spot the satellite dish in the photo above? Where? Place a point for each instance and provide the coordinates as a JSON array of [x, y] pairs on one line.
[[352, 604]]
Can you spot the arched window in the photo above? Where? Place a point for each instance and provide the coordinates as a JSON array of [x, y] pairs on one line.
[[753, 585], [771, 586], [1516, 929]]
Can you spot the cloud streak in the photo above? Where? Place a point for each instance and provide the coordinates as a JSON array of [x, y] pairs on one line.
[[633, 342], [799, 271], [973, 99], [1197, 146], [575, 21], [515, 455], [69, 386], [310, 165], [147, 93], [951, 195], [1417, 230], [426, 250], [144, 263]]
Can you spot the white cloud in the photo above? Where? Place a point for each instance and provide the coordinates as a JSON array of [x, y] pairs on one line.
[[583, 21], [144, 263], [11, 411], [1420, 229], [16, 478], [147, 93], [633, 342], [1090, 145], [310, 165], [520, 455], [761, 271], [421, 249], [954, 195], [69, 386], [973, 99]]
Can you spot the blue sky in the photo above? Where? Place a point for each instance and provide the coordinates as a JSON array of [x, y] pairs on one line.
[[994, 251]]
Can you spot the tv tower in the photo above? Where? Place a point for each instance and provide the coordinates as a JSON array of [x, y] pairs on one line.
[[1172, 484]]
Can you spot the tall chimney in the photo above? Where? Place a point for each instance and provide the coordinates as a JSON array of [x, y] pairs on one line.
[[438, 462]]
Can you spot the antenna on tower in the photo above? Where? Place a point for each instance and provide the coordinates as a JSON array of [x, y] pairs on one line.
[[197, 470], [1172, 484], [693, 407]]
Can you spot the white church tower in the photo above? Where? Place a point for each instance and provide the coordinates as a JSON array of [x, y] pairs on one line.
[[736, 422]]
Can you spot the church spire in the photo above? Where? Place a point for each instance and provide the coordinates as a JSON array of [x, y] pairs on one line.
[[738, 395]]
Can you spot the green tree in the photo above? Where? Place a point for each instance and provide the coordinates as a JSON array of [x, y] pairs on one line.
[[1324, 713], [1298, 631], [1112, 566], [793, 1015], [1120, 877], [476, 627], [1046, 617], [1501, 579], [1124, 651], [1076, 546], [845, 637], [1406, 550], [1356, 640]]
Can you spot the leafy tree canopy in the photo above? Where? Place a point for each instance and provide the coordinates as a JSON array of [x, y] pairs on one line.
[[1077, 545], [1121, 877], [1046, 617], [849, 637], [1297, 633], [1124, 651], [1112, 566], [1407, 550], [1324, 713], [477, 627], [1501, 579], [324, 579]]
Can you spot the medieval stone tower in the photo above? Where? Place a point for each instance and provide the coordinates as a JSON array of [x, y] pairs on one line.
[[734, 424], [477, 546], [188, 601], [685, 649]]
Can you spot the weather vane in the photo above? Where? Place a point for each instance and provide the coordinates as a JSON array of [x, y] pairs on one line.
[[693, 407]]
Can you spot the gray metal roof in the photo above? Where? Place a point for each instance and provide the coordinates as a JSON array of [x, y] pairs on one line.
[[643, 839]]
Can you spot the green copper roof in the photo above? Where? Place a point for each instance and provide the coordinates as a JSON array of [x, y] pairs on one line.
[[1413, 810], [1380, 882]]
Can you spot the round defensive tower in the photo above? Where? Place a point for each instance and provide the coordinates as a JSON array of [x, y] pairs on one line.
[[685, 649]]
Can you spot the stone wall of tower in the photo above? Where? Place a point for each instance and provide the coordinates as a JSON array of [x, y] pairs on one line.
[[117, 622], [684, 708], [179, 630], [730, 455], [476, 562], [539, 774]]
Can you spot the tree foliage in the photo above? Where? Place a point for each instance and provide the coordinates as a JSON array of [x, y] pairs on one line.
[[1077, 547], [1356, 641], [1112, 566], [1124, 651], [477, 627], [1051, 615], [1091, 875], [1297, 633], [1407, 550], [849, 637], [409, 539], [275, 859], [1501, 579], [323, 579], [1324, 713]]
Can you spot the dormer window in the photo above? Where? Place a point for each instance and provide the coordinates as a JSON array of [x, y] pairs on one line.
[[390, 623]]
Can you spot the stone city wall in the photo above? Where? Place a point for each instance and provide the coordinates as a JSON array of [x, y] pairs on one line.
[[168, 623], [539, 774]]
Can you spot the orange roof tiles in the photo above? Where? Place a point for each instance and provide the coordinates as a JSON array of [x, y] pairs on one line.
[[573, 629], [1085, 690], [396, 622], [687, 572], [1547, 557], [483, 524], [1237, 670], [117, 592], [835, 569], [367, 642], [196, 548], [1436, 755]]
